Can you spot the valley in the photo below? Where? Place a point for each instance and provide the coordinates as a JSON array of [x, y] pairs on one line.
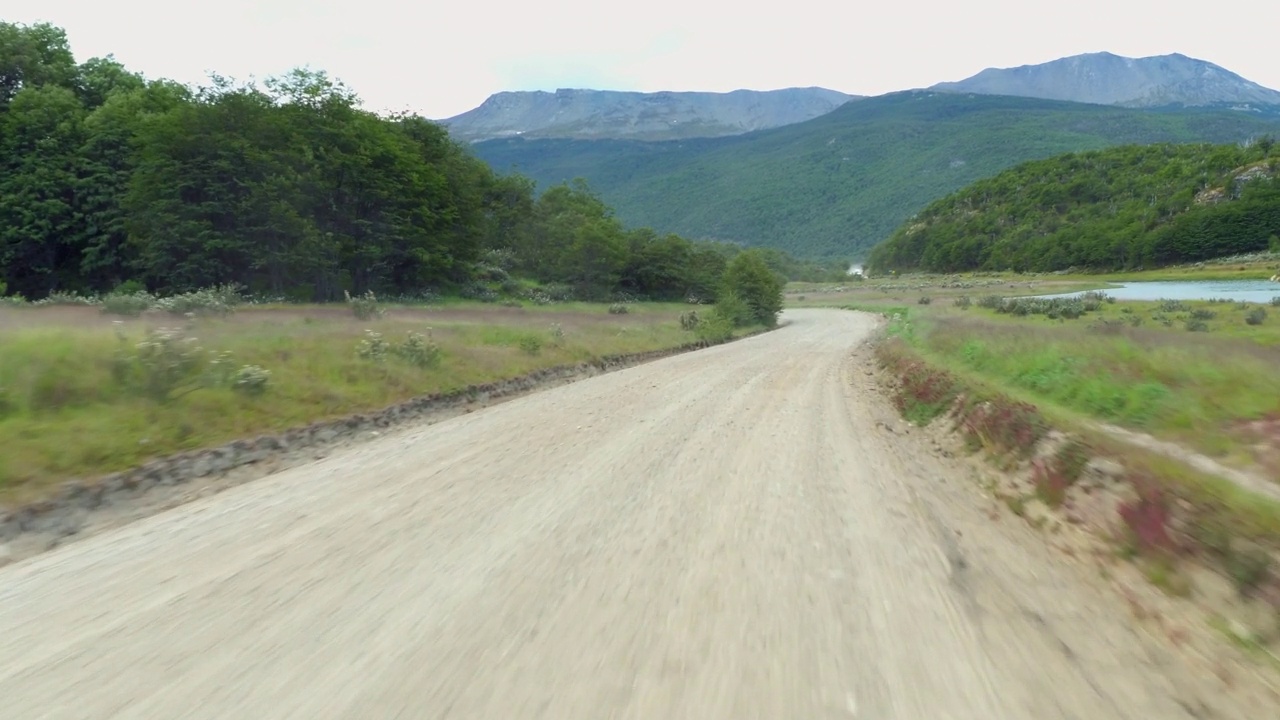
[[573, 406]]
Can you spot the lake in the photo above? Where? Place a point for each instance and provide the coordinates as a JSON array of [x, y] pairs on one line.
[[1258, 291]]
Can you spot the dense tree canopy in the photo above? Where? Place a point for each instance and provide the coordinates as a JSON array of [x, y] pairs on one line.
[[1120, 208], [289, 188]]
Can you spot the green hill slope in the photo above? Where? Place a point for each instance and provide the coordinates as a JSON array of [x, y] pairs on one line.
[[1117, 208], [839, 184]]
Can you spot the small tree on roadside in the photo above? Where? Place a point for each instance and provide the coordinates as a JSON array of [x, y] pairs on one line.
[[749, 278]]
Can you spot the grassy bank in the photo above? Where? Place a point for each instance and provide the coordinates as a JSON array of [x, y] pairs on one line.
[[77, 397], [1201, 374]]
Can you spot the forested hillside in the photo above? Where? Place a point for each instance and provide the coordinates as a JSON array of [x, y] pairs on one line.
[[1118, 208], [287, 188], [836, 185]]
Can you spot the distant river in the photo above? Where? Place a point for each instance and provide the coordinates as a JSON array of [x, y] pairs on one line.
[[1259, 291]]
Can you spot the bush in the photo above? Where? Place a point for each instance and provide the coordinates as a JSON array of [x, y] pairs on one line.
[[66, 298], [962, 302], [131, 305], [718, 325], [1196, 326], [749, 277], [1255, 316], [689, 320], [420, 350], [250, 380], [531, 344], [557, 334], [731, 308], [558, 292], [1202, 314], [364, 307], [164, 365], [216, 301], [1275, 301], [991, 302], [373, 347], [619, 309], [924, 300]]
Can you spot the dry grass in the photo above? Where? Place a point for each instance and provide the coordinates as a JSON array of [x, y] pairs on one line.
[[63, 414]]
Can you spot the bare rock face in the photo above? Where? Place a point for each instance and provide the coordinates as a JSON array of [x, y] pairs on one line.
[[1107, 79], [598, 114]]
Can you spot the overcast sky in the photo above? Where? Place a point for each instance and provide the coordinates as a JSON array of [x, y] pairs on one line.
[[440, 61]]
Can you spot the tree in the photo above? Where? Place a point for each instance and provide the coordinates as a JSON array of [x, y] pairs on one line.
[[31, 57], [748, 277]]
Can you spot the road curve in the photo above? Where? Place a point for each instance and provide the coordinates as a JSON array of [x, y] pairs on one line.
[[721, 534]]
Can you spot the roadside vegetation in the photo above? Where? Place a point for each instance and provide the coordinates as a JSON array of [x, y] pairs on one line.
[[84, 392]]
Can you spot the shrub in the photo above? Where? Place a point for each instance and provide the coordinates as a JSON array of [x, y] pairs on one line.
[[1147, 519], [732, 308], [129, 287], [991, 302], [1255, 316], [1170, 306], [66, 298], [619, 309], [557, 334], [131, 305], [479, 291], [1196, 326], [558, 292], [364, 307], [1202, 314], [216, 301], [1005, 426], [962, 302], [689, 320], [420, 350], [924, 300], [531, 344], [718, 325], [164, 365], [749, 277], [251, 380], [925, 393], [1275, 301], [373, 347]]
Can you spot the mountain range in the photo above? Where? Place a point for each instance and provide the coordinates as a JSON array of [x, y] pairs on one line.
[[838, 183], [593, 114]]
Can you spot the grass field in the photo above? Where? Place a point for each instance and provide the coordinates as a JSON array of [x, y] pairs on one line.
[[69, 409]]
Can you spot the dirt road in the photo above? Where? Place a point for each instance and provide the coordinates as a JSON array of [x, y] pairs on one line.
[[722, 534]]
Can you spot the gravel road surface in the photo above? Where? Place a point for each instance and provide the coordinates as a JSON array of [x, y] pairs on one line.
[[730, 533]]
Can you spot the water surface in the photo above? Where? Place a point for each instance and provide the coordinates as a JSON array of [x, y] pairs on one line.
[[1257, 291]]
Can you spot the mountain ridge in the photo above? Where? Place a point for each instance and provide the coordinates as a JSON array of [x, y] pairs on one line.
[[1104, 78], [590, 114]]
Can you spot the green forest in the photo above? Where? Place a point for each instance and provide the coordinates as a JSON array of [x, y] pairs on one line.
[[286, 188], [1116, 209], [839, 184]]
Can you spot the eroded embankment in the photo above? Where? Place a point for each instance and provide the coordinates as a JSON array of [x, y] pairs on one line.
[[1200, 539]]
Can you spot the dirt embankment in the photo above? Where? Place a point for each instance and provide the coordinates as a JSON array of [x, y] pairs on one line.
[[745, 531]]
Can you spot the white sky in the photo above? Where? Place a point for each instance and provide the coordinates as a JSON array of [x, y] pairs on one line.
[[440, 59]]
